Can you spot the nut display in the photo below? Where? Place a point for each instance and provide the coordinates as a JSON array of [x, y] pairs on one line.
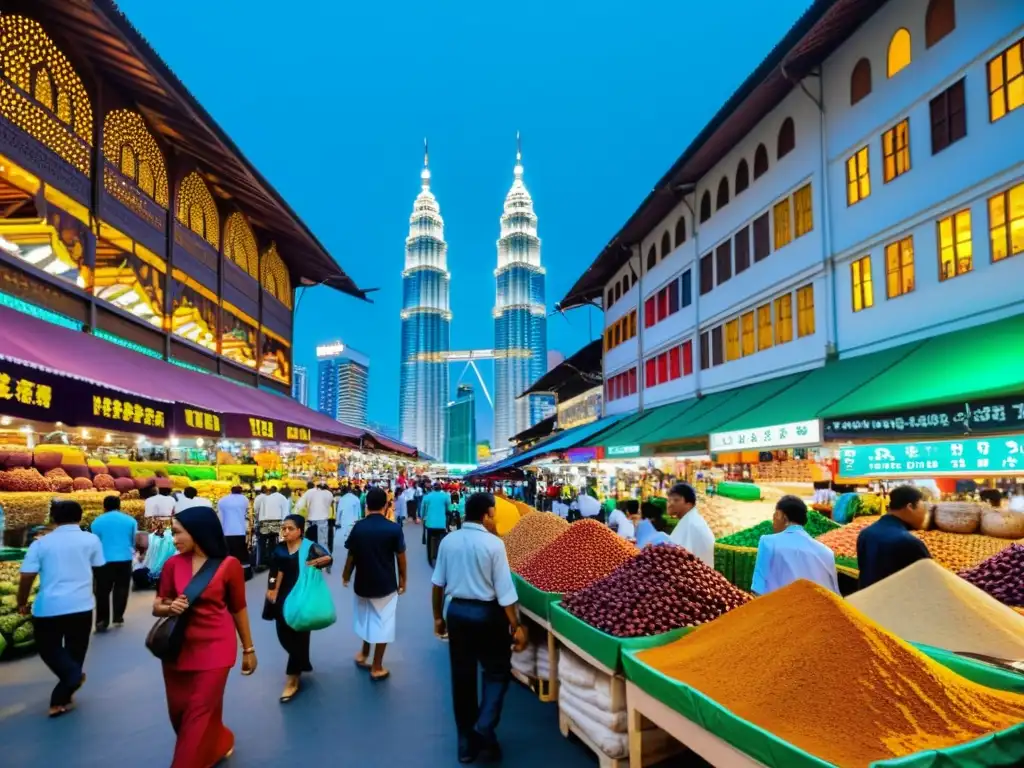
[[23, 480], [957, 551], [661, 589], [533, 532], [843, 541], [1002, 576], [584, 553]]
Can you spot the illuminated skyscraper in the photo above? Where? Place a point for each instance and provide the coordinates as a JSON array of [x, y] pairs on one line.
[[520, 315], [460, 427], [300, 385], [426, 325], [342, 383]]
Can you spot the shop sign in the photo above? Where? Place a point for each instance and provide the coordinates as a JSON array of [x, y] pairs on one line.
[[294, 434], [960, 457], [582, 409], [622, 451], [128, 411], [189, 420], [584, 455], [778, 436], [1004, 414]]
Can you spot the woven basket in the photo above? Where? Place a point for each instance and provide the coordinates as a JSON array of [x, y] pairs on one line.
[[1002, 524], [957, 516]]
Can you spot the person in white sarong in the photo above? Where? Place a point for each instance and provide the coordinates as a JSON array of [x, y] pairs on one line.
[[347, 513], [376, 553]]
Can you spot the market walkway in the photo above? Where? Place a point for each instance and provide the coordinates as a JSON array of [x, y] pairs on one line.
[[340, 715]]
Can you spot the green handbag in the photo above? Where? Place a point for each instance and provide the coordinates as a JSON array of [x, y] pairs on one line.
[[309, 605]]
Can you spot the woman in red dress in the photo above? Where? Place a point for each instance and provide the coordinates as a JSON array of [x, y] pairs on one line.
[[195, 680]]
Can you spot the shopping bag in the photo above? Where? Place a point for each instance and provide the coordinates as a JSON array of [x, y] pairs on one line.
[[309, 605]]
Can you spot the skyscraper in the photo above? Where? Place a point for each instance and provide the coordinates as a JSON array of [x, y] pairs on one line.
[[426, 325], [343, 382], [520, 314], [300, 384], [460, 427]]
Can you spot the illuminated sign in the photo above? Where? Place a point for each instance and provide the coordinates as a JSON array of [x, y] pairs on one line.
[[129, 412], [196, 420], [25, 391], [330, 350], [622, 451], [261, 428], [796, 433], [296, 434], [961, 458]]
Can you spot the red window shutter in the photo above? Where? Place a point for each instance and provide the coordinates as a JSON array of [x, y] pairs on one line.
[[687, 358], [674, 370], [662, 368], [632, 381], [650, 374], [649, 318]]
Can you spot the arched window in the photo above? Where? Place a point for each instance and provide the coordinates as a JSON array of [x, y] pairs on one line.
[[899, 51], [274, 276], [939, 21], [705, 206], [50, 103], [611, 299], [760, 162], [625, 284], [722, 198], [196, 209], [680, 231], [742, 176], [240, 244], [618, 291], [787, 138], [652, 258], [860, 81], [666, 244], [128, 145]]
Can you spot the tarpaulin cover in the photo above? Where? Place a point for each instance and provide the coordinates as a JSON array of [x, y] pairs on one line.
[[606, 648], [976, 671], [1005, 748], [532, 599]]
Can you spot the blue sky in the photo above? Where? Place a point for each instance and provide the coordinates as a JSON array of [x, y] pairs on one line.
[[331, 102]]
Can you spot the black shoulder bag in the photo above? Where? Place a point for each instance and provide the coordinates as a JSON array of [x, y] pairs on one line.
[[167, 636]]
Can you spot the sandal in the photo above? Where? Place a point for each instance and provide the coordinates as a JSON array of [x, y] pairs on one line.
[[384, 676], [362, 663], [58, 711], [286, 697]]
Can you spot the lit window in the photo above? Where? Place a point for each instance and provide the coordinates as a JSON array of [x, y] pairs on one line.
[[1006, 223], [748, 333], [1006, 81], [764, 326], [732, 340], [955, 253], [896, 151], [783, 231], [863, 294], [899, 267], [858, 179], [804, 210], [784, 319], [805, 311], [899, 51]]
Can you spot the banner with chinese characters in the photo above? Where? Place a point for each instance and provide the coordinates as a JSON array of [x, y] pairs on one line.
[[960, 458], [795, 434], [190, 421], [30, 393], [256, 428], [1005, 414]]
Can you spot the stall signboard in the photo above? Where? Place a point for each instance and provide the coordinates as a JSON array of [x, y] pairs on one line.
[[32, 393], [584, 455], [1005, 414], [296, 434], [797, 433], [961, 458], [582, 409], [189, 420], [622, 451], [238, 425]]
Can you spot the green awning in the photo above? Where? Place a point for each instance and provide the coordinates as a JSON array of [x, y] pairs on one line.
[[981, 362], [634, 430]]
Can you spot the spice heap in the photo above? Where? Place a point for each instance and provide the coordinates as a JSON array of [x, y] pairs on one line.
[[661, 589], [835, 684], [844, 540], [958, 551], [925, 603], [505, 515], [532, 533], [817, 524], [1002, 576], [587, 551], [727, 516]]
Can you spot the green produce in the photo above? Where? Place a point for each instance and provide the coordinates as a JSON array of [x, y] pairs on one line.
[[25, 633], [817, 524], [9, 602], [11, 622], [6, 588]]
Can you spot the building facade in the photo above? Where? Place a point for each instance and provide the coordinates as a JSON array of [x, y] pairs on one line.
[[460, 427], [874, 205], [343, 382], [520, 316], [300, 384], [426, 326]]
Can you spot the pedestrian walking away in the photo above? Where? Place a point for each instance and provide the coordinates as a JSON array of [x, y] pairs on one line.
[[435, 521], [196, 678], [475, 605], [233, 511], [116, 532], [376, 552], [269, 516], [65, 561], [284, 573], [317, 504], [349, 510]]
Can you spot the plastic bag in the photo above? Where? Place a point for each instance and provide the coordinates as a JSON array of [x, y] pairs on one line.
[[309, 605]]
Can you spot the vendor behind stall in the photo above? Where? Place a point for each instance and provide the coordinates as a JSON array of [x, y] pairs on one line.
[[692, 531], [790, 553], [886, 547]]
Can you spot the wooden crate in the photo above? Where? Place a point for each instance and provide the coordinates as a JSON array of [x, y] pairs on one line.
[[567, 726], [547, 688]]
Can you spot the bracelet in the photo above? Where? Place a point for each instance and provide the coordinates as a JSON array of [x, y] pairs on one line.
[[249, 650]]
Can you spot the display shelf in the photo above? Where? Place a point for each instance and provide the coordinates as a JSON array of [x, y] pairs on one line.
[[567, 727], [547, 688]]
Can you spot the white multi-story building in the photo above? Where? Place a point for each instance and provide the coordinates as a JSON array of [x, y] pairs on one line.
[[862, 189]]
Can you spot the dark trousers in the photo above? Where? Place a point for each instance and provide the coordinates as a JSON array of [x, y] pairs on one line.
[[413, 508], [434, 536], [114, 577], [331, 524], [267, 542], [478, 635], [296, 644], [62, 642]]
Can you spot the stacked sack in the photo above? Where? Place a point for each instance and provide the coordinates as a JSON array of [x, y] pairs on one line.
[[525, 662], [586, 695]]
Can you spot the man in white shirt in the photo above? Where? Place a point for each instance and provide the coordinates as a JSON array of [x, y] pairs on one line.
[[588, 505], [233, 511], [191, 498], [790, 553], [401, 505], [691, 532], [318, 504], [622, 523], [160, 505], [65, 560], [260, 500], [270, 513], [349, 509], [560, 508]]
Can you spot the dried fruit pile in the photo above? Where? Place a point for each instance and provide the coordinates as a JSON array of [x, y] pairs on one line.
[[661, 589], [28, 509], [23, 481], [532, 533], [844, 540], [817, 524], [584, 553], [1002, 576], [958, 551]]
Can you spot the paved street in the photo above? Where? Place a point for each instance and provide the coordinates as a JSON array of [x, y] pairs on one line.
[[340, 715]]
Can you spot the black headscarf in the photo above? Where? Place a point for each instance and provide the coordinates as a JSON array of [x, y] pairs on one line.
[[204, 527], [298, 520]]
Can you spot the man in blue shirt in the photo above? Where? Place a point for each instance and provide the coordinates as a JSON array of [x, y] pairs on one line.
[[116, 532], [474, 601], [888, 546], [64, 560], [435, 520]]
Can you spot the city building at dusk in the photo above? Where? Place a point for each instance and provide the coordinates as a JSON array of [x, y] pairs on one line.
[[343, 379]]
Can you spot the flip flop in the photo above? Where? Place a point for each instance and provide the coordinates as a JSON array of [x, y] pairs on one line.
[[378, 678], [362, 664]]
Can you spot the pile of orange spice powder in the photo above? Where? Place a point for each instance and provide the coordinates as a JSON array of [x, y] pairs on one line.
[[802, 664]]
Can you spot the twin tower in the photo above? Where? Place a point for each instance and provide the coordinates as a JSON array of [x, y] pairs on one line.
[[520, 320]]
